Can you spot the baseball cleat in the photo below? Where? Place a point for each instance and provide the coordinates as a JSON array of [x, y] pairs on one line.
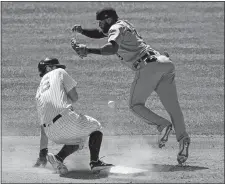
[[164, 136], [40, 162], [99, 165], [183, 150], [57, 165]]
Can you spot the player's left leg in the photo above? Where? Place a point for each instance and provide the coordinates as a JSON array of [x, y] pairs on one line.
[[144, 83], [66, 151]]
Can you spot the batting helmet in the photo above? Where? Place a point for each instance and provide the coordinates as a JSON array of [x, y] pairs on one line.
[[48, 62], [106, 13]]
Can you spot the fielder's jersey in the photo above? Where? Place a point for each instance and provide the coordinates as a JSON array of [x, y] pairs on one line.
[[131, 44], [51, 96]]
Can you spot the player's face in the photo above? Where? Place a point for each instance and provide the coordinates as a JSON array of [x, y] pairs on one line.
[[105, 25], [50, 68]]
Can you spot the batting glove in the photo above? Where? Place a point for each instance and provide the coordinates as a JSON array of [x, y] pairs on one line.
[[42, 160]]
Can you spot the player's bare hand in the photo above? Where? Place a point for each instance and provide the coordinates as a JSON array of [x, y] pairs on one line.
[[41, 162], [74, 43], [77, 28], [80, 49]]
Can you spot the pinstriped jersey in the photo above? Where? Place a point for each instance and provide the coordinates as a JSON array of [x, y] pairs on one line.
[[51, 96], [131, 44]]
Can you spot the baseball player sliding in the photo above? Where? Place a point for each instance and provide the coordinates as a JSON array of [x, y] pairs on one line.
[[56, 96], [153, 72]]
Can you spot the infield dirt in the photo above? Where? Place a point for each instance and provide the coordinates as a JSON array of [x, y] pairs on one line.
[[205, 164]]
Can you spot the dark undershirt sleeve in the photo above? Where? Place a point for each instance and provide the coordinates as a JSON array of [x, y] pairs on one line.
[[93, 33]]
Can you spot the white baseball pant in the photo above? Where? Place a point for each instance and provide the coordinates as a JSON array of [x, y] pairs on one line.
[[72, 129]]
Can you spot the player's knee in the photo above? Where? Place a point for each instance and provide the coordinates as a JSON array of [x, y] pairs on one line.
[[97, 124], [131, 106], [171, 67], [97, 127], [135, 107], [96, 134]]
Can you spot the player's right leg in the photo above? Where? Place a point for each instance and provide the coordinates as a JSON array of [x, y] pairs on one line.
[[168, 95], [57, 160], [58, 166]]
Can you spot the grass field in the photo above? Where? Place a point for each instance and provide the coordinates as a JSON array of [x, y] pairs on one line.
[[191, 32]]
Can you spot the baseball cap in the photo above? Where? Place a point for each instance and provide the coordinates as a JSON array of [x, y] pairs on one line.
[[106, 13]]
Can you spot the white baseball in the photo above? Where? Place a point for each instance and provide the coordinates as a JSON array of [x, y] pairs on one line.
[[111, 104]]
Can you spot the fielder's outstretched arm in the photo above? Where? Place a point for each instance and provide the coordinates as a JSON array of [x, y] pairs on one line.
[[93, 33], [110, 48]]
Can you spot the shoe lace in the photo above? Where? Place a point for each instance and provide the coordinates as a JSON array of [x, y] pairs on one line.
[[99, 160], [101, 157], [103, 163]]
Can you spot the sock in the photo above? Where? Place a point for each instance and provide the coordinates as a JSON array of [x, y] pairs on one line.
[[66, 151], [95, 141]]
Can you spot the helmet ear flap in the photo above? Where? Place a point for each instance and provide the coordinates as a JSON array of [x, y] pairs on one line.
[[41, 69], [42, 72]]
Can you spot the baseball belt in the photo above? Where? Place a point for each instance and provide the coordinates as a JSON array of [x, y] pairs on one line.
[[144, 60], [70, 108], [54, 120]]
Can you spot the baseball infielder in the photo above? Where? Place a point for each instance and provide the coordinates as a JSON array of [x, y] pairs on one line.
[[153, 72], [56, 97]]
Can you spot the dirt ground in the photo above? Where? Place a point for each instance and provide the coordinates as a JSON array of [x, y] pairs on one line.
[[205, 163]]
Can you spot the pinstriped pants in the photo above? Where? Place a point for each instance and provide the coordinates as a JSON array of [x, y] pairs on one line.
[[72, 129]]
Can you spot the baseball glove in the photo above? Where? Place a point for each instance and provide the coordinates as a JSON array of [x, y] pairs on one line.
[[80, 49]]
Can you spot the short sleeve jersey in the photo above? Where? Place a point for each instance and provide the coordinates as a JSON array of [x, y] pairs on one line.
[[131, 44], [51, 96]]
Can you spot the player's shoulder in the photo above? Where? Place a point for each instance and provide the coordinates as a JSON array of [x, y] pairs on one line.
[[119, 25], [59, 71]]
